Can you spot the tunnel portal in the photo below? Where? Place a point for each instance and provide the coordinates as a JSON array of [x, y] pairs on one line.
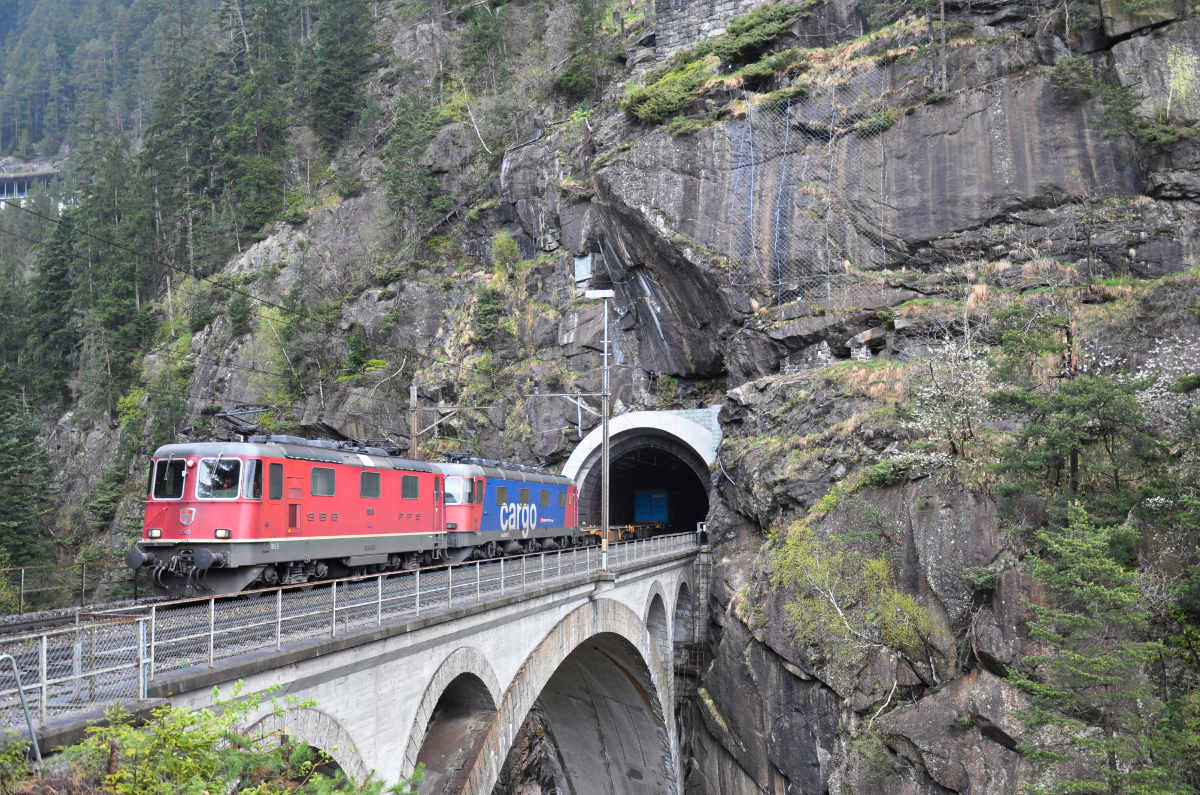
[[662, 456]]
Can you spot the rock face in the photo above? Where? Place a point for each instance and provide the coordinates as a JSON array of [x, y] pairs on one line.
[[1162, 67]]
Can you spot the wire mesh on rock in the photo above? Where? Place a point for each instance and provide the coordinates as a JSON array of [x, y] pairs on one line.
[[805, 170]]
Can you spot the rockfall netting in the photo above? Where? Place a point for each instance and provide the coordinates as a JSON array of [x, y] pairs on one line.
[[808, 180]]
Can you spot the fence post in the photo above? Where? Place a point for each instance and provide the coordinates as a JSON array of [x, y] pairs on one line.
[[77, 668], [212, 625], [449, 586], [502, 576], [418, 593], [153, 637], [560, 564], [42, 677], [278, 619], [141, 659], [333, 629], [477, 597], [523, 557], [379, 600]]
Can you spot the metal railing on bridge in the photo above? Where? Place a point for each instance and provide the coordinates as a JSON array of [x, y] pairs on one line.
[[115, 657]]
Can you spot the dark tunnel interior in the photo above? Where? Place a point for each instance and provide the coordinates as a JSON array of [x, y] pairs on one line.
[[651, 469]]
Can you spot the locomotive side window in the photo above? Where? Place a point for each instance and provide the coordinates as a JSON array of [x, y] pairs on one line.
[[501, 495], [544, 499], [168, 480], [322, 482], [562, 499], [479, 491], [217, 478], [454, 495], [253, 488], [524, 500], [368, 485], [408, 487], [275, 481], [469, 490]]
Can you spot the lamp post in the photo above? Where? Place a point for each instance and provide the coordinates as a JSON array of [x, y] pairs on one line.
[[593, 295]]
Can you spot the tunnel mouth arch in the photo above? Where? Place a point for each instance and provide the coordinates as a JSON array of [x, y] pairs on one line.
[[606, 723], [648, 461]]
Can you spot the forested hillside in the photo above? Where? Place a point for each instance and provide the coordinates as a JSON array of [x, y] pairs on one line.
[[169, 128]]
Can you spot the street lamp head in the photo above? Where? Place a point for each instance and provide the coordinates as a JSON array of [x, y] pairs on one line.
[[596, 295]]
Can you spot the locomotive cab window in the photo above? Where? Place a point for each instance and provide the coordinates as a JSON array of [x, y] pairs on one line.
[[275, 481], [454, 491], [368, 485], [254, 477], [501, 495], [409, 487], [479, 491], [562, 499], [544, 499], [168, 479], [469, 491], [217, 478], [323, 482], [524, 500]]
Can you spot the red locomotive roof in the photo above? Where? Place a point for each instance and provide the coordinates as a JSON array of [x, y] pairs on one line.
[[294, 448]]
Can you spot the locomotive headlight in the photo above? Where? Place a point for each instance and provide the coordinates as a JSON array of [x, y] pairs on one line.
[[154, 532], [222, 533]]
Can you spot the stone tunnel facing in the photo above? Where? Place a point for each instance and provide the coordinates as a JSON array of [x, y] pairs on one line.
[[653, 478]]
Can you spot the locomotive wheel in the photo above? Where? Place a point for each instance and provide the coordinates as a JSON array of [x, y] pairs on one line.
[[489, 549]]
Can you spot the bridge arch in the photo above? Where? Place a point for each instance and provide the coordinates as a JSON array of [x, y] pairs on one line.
[[319, 730], [659, 630], [606, 704], [656, 450], [460, 698]]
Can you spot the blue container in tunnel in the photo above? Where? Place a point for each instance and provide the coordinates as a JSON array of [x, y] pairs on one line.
[[650, 505]]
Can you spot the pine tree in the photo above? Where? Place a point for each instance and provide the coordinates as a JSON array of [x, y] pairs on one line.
[[25, 481], [51, 339], [343, 46]]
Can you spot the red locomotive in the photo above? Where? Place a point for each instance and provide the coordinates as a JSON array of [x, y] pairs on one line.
[[229, 516]]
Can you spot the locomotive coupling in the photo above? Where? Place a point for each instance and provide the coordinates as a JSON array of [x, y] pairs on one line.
[[136, 558]]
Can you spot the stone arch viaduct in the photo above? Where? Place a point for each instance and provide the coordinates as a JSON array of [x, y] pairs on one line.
[[593, 656]]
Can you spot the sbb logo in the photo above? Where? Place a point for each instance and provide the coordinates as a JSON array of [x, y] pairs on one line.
[[518, 517]]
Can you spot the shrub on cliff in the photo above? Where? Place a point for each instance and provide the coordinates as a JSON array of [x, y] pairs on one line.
[[670, 95], [748, 37], [847, 597]]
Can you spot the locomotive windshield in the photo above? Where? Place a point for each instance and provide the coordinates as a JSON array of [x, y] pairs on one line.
[[168, 479], [454, 491], [218, 478]]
